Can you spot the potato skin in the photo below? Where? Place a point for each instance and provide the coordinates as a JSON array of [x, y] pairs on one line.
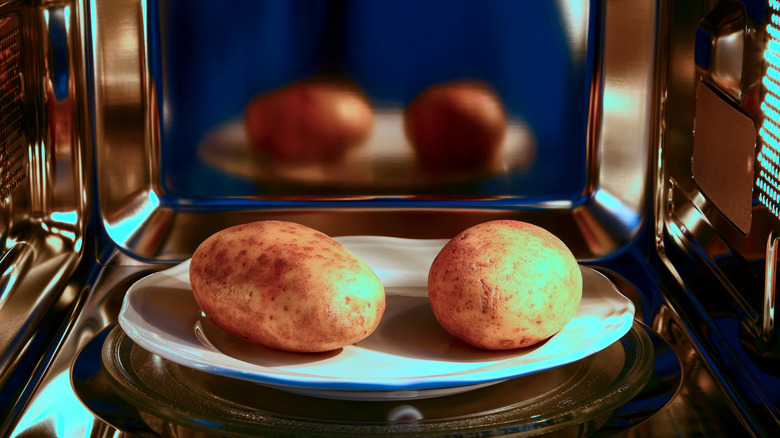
[[312, 121], [286, 286], [455, 127], [504, 284]]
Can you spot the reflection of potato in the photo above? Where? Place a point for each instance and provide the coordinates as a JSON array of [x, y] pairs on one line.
[[455, 127], [311, 121], [286, 286], [504, 284]]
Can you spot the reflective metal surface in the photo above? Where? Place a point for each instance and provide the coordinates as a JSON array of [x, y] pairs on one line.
[[54, 410], [13, 147], [143, 217], [78, 229], [718, 270], [45, 210]]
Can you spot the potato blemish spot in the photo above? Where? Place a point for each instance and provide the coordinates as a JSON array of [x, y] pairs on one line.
[[298, 280], [504, 284]]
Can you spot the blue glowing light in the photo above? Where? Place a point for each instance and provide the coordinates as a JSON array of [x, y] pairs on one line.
[[768, 181], [773, 31]]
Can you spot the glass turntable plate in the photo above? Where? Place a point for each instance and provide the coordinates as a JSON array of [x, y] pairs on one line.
[[409, 356], [571, 400]]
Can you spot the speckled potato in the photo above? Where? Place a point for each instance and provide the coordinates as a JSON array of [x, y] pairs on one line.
[[313, 121], [286, 286], [504, 284], [455, 127]]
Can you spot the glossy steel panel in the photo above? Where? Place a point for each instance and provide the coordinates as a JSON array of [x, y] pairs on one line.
[[44, 217], [722, 289]]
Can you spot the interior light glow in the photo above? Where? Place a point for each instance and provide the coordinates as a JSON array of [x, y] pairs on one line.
[[769, 112], [574, 16], [768, 181], [771, 57], [773, 74], [771, 85], [772, 127], [773, 101], [774, 47], [628, 217], [68, 419], [773, 31], [67, 217], [136, 213]]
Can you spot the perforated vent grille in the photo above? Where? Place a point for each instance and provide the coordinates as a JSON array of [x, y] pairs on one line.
[[13, 150], [768, 181]]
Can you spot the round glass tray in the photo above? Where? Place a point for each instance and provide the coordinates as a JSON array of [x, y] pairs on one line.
[[582, 394]]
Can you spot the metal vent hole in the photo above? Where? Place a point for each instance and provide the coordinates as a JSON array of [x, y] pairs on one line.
[[13, 156]]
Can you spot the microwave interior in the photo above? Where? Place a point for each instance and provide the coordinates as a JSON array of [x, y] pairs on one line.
[[142, 127]]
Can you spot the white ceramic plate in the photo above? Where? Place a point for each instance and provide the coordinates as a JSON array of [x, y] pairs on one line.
[[385, 160], [408, 356]]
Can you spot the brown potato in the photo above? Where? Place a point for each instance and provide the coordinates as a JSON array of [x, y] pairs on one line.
[[309, 122], [455, 127], [504, 284], [286, 286]]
